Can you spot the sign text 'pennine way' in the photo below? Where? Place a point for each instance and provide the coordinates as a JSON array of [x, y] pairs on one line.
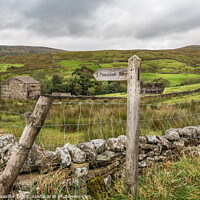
[[114, 74]]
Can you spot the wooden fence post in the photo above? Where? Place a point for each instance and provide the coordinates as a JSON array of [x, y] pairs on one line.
[[19, 156], [133, 120]]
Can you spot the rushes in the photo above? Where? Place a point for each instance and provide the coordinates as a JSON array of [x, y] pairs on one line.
[[74, 122], [169, 180]]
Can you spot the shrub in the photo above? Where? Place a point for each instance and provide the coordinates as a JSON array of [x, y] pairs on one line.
[[165, 82]]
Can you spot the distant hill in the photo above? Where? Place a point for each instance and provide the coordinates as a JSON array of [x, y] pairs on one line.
[[194, 47], [63, 63], [21, 50]]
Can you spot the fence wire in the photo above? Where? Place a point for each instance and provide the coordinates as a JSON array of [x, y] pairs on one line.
[[76, 122]]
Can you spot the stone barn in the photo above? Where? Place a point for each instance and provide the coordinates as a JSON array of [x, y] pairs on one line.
[[152, 88], [21, 87]]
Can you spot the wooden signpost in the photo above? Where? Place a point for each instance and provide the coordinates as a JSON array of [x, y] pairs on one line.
[[132, 76], [115, 74]]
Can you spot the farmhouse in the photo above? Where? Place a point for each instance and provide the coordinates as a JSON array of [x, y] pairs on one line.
[[21, 87]]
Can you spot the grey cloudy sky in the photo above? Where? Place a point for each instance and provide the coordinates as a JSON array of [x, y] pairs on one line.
[[100, 24]]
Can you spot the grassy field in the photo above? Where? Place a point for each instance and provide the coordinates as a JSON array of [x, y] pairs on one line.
[[174, 79], [182, 88], [70, 65], [180, 99], [6, 67], [157, 65], [77, 121], [166, 66], [185, 60]]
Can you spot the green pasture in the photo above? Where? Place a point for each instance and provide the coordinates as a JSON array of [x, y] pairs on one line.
[[4, 67], [174, 79], [68, 66], [103, 119], [165, 66], [114, 65], [185, 98], [182, 88]]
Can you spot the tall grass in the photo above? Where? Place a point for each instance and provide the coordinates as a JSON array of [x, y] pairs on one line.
[[76, 122], [169, 180], [55, 186]]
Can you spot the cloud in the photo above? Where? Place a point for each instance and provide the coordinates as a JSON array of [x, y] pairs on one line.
[[100, 24]]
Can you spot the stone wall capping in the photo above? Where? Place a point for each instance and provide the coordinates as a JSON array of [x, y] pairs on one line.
[[99, 145], [89, 149], [172, 134], [77, 155]]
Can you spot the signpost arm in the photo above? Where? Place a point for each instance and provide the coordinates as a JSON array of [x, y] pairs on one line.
[[133, 120]]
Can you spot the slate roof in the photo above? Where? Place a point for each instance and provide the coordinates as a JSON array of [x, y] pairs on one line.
[[26, 79]]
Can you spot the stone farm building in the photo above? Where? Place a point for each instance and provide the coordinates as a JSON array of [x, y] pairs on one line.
[[152, 88], [21, 87]]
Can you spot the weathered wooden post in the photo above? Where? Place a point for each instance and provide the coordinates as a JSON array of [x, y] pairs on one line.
[[132, 76], [133, 120], [16, 161]]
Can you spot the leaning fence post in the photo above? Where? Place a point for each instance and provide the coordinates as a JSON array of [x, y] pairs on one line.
[[17, 159], [133, 120]]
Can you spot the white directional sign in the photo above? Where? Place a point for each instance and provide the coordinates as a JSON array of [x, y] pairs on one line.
[[114, 74]]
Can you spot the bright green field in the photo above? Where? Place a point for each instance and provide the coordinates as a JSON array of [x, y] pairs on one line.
[[166, 66], [185, 98], [4, 67], [70, 65], [157, 65], [175, 79], [114, 65], [182, 88]]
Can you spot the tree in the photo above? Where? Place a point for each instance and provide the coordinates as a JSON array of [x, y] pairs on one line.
[[165, 82], [73, 84], [91, 91], [57, 85], [46, 85], [105, 88]]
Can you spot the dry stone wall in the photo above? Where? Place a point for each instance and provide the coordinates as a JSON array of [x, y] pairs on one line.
[[173, 94], [103, 159]]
